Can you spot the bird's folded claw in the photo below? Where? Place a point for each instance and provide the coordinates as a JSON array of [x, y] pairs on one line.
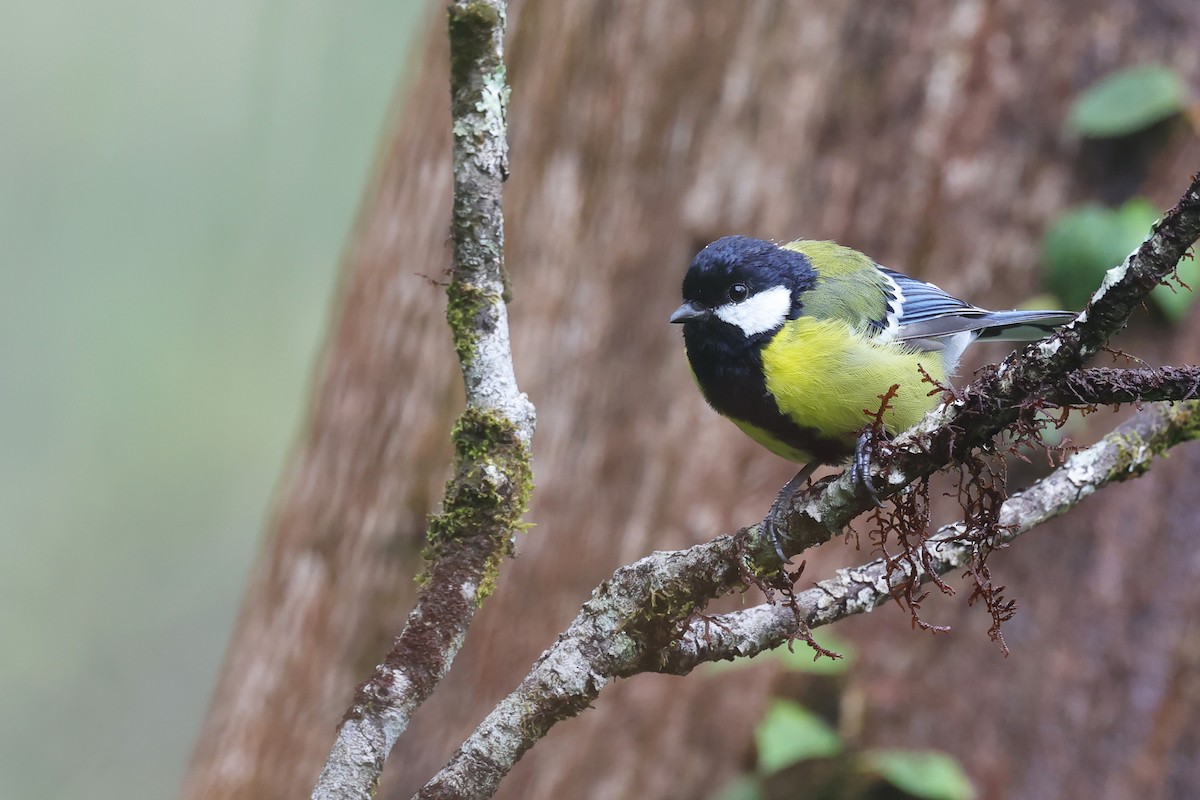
[[860, 467], [771, 527], [775, 522]]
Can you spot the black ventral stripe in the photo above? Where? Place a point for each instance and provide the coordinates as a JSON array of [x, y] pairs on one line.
[[728, 367]]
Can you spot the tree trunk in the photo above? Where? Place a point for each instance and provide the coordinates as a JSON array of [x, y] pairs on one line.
[[928, 135]]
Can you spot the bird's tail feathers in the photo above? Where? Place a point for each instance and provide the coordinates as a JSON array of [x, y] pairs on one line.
[[1023, 326]]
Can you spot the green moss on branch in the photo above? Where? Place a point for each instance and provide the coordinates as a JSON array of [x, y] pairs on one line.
[[467, 308], [489, 493], [472, 26]]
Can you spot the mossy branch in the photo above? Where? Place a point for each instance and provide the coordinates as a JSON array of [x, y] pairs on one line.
[[489, 491], [1126, 452]]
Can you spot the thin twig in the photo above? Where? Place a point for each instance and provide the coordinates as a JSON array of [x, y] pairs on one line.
[[1124, 453], [487, 496]]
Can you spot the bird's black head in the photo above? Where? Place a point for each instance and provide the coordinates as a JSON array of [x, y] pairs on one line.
[[745, 283]]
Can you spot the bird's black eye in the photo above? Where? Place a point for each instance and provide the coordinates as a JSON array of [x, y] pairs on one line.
[[738, 292]]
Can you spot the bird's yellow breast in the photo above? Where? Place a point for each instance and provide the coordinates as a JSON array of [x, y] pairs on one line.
[[826, 375]]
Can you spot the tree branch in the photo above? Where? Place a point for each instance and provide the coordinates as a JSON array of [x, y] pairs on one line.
[[1125, 453], [1107, 386], [604, 642], [487, 496], [631, 618], [998, 397]]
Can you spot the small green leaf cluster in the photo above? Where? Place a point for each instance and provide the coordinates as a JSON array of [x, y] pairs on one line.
[[1087, 241], [1084, 243], [798, 747], [1128, 101]]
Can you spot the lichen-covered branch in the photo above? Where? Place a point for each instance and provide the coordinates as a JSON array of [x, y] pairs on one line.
[[614, 634], [488, 493], [1125, 453], [1100, 386], [639, 610], [644, 618], [631, 620]]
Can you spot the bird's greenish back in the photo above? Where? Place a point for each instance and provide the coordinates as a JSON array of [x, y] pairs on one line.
[[849, 286]]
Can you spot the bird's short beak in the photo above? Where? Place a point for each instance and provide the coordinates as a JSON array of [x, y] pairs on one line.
[[690, 311]]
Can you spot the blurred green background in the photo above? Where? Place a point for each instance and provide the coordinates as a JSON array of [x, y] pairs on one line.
[[176, 182]]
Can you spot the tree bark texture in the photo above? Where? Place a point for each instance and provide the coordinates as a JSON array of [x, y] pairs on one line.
[[927, 134]]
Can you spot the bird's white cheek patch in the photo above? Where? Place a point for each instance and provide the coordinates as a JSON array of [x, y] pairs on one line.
[[760, 312]]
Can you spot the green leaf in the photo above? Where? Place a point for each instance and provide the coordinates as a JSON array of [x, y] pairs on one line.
[[927, 773], [1134, 221], [743, 788], [790, 733], [1128, 101], [1086, 242], [1077, 250]]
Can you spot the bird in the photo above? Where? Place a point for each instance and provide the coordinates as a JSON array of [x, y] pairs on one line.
[[798, 343]]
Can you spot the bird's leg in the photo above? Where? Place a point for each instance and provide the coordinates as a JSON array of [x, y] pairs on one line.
[[860, 467], [773, 521]]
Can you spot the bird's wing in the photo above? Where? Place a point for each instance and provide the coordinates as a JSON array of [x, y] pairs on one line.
[[920, 310], [923, 314]]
